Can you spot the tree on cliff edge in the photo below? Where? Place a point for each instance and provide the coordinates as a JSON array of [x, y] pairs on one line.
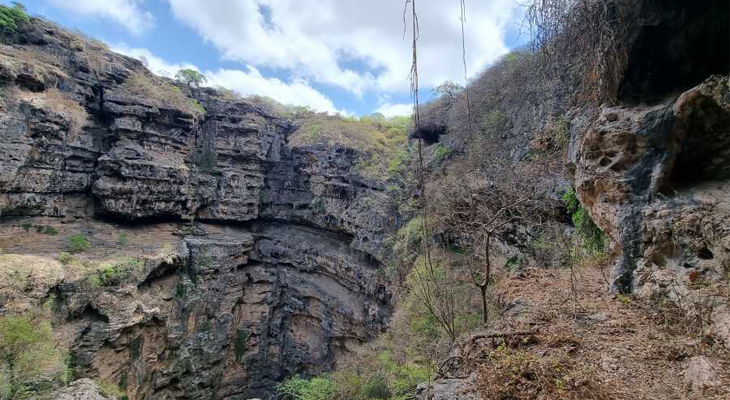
[[190, 77]]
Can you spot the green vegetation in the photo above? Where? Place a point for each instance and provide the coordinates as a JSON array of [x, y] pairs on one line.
[[190, 77], [123, 239], [110, 389], [441, 152], [30, 359], [116, 273], [374, 375], [43, 229], [296, 388], [12, 19], [65, 258], [78, 244], [494, 122], [590, 236], [180, 289], [46, 230], [382, 141], [241, 344], [407, 241]]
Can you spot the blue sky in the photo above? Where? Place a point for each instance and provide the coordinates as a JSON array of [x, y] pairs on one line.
[[343, 56]]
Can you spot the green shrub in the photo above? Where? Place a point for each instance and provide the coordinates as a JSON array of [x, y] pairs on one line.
[[371, 374], [180, 289], [190, 77], [441, 152], [46, 230], [407, 241], [65, 258], [319, 388], [376, 388], [28, 354], [109, 389], [378, 139], [123, 239], [494, 122], [78, 244], [589, 234], [161, 93], [241, 344], [26, 226], [11, 19], [117, 273]]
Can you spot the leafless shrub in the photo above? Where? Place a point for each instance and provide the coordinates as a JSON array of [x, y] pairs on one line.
[[583, 42], [481, 201], [686, 310]]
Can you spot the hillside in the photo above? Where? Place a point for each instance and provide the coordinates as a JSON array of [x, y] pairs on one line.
[[558, 229]]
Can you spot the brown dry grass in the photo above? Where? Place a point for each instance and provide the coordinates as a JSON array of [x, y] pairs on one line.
[[30, 61], [161, 93], [59, 103], [144, 241], [588, 345]]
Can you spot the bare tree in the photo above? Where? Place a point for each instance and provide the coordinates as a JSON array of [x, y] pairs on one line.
[[478, 203]]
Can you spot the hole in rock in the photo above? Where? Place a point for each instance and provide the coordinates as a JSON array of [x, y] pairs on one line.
[[705, 254], [705, 152], [92, 314], [429, 133], [680, 52]]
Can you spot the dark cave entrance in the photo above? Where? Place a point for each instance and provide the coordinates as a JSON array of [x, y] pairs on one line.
[[430, 133], [679, 53], [705, 151]]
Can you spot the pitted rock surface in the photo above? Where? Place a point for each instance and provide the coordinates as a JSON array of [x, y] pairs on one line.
[[276, 277]]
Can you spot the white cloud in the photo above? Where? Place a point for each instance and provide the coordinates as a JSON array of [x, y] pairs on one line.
[[249, 82], [153, 63], [355, 45], [125, 12], [393, 110]]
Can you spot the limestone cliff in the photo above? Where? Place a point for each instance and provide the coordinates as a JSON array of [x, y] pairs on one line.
[[248, 260], [653, 169]]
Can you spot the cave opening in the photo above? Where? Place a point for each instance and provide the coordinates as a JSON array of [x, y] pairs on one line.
[[705, 151], [429, 133], [670, 57]]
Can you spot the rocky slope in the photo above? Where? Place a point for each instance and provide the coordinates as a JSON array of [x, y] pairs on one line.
[[250, 260]]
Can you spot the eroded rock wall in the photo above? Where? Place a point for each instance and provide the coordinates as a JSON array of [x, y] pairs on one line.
[[276, 273], [653, 169]]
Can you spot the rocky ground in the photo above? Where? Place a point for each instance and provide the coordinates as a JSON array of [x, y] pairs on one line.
[[586, 343]]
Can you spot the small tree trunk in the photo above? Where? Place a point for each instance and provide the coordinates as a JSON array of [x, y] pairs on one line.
[[485, 311], [487, 273]]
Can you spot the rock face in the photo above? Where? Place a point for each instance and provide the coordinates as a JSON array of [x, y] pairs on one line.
[[228, 314], [656, 179], [278, 279], [700, 374], [82, 389], [448, 389], [653, 171]]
